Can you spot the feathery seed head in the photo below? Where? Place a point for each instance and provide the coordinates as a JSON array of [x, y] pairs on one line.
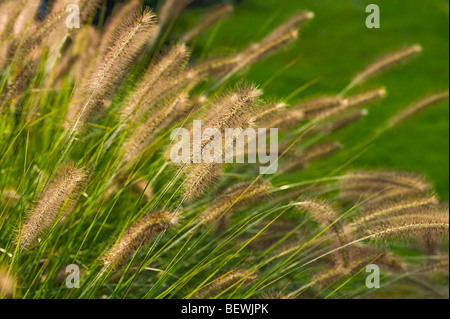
[[157, 82], [131, 38], [114, 23], [418, 106], [381, 182], [338, 123], [326, 215], [6, 283], [303, 159], [267, 47], [135, 145], [431, 226], [366, 97], [293, 23], [421, 205], [351, 103], [171, 8], [214, 16], [199, 177], [233, 109], [386, 62], [224, 282], [61, 192], [138, 235], [235, 198]]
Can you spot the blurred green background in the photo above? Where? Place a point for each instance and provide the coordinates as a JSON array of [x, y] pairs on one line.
[[335, 46]]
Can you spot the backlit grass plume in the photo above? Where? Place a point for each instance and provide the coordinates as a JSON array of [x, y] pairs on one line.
[[384, 63], [214, 16], [155, 81], [301, 160], [430, 226], [327, 216], [131, 38], [136, 236], [419, 106], [421, 205], [94, 120], [233, 110], [374, 185], [6, 283], [226, 281], [55, 199], [235, 198], [171, 8]]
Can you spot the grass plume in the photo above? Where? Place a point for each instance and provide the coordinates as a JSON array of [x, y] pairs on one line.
[[61, 192], [418, 106], [137, 236], [110, 97], [212, 17], [235, 198], [384, 63], [131, 38]]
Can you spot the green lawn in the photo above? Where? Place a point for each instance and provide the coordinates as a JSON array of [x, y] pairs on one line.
[[333, 48], [189, 255]]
